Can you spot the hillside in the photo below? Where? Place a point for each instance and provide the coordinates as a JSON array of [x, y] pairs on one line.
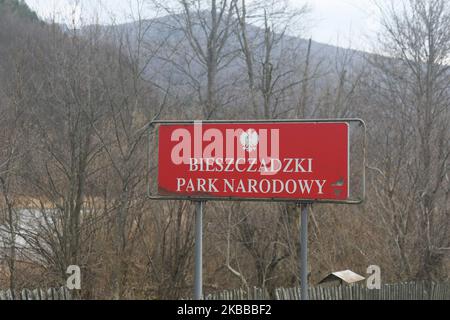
[[17, 8], [169, 59]]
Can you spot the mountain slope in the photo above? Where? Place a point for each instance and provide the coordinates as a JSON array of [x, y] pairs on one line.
[[17, 8]]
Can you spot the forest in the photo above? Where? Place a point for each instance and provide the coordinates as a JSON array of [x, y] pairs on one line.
[[76, 102]]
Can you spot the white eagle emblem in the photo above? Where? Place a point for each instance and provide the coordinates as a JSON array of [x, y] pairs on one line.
[[249, 140]]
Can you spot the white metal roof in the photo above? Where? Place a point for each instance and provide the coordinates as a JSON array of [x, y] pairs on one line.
[[347, 275]]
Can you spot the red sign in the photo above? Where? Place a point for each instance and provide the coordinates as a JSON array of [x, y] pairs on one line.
[[284, 161]]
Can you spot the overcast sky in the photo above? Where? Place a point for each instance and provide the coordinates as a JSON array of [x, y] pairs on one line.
[[336, 22]]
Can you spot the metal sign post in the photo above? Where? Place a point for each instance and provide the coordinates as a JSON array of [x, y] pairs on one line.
[[198, 288], [304, 253]]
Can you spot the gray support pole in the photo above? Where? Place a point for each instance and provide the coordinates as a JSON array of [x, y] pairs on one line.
[[304, 253], [198, 286]]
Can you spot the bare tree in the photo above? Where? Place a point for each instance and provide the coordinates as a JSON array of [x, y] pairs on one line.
[[14, 100], [59, 164], [132, 106], [266, 55], [207, 29], [413, 176]]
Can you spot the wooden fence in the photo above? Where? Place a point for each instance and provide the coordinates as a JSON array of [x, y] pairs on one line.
[[239, 294], [398, 291], [38, 294]]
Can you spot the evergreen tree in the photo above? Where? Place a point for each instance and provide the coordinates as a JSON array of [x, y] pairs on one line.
[[17, 8]]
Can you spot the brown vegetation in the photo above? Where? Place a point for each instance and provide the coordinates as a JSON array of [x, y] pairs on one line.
[[73, 111]]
